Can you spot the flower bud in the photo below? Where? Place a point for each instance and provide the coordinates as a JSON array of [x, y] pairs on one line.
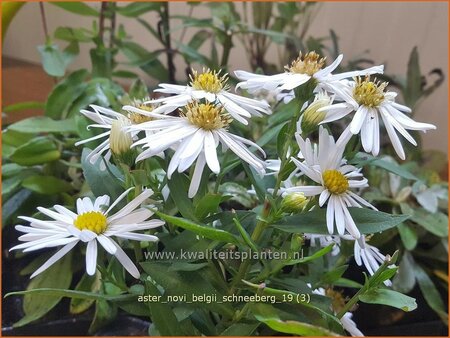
[[311, 116], [120, 141], [294, 202]]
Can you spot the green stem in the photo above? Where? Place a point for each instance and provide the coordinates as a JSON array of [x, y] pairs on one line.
[[290, 135], [348, 306], [256, 236]]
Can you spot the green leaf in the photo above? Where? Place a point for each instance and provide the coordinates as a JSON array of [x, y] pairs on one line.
[[13, 204], [390, 298], [44, 124], [57, 292], [35, 306], [362, 159], [37, 151], [47, 185], [23, 106], [100, 181], [52, 60], [138, 8], [73, 34], [240, 330], [204, 281], [238, 194], [413, 89], [179, 186], [77, 8], [202, 230], [430, 293], [64, 93], [269, 316], [405, 279], [245, 236], [208, 204], [314, 256], [162, 315], [104, 314], [408, 235], [368, 221], [436, 223], [185, 266], [138, 90], [86, 283]]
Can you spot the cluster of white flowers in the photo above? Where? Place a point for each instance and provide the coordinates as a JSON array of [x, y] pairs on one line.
[[196, 119]]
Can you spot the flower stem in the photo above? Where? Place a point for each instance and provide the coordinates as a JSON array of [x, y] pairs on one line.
[[256, 236]]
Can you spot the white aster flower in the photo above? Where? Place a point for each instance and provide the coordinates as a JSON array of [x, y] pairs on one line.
[[298, 73], [369, 100], [212, 87], [90, 224], [196, 134], [370, 256], [110, 120], [350, 326], [325, 166], [324, 241]]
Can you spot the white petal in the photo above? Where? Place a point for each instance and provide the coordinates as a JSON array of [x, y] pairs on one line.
[[197, 176], [55, 215], [323, 197], [396, 143], [330, 215], [358, 120], [211, 153], [91, 257], [52, 260], [126, 262], [132, 205], [107, 244]]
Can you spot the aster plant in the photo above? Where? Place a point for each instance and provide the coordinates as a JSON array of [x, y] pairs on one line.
[[178, 170]]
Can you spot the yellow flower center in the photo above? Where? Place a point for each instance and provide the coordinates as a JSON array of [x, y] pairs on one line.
[[209, 81], [94, 221], [335, 181], [137, 118], [369, 93], [309, 64], [207, 116]]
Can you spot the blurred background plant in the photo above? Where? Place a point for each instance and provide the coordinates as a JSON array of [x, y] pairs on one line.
[[41, 165]]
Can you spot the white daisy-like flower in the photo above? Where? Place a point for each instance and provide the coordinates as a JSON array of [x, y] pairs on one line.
[[370, 101], [212, 87], [324, 241], [370, 256], [115, 136], [90, 224], [298, 73], [195, 134], [325, 165], [337, 303]]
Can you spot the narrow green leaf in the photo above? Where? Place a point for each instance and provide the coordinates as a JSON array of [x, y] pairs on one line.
[[23, 106], [76, 8], [47, 185], [430, 293], [202, 230], [44, 124], [208, 204], [136, 9], [314, 256]]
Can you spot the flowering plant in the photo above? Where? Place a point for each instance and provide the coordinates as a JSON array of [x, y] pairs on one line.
[[150, 145], [232, 204]]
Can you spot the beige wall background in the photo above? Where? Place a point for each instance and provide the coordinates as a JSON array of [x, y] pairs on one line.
[[388, 30]]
